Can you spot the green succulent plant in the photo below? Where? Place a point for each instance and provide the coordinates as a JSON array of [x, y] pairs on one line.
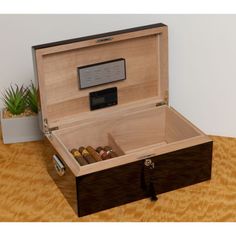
[[32, 98], [14, 99]]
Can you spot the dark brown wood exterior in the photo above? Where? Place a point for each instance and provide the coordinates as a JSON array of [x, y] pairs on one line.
[[123, 184]]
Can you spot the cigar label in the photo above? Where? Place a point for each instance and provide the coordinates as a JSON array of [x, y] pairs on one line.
[[78, 157], [86, 155]]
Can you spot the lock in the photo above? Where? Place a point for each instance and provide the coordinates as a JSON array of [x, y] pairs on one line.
[[149, 163], [148, 180]]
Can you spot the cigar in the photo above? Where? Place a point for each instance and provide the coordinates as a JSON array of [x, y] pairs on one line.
[[110, 151], [93, 153], [102, 153], [78, 157], [86, 155]]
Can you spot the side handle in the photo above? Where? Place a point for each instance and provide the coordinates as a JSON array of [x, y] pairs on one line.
[[58, 165]]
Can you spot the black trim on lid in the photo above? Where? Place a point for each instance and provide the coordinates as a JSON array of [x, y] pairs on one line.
[[96, 36]]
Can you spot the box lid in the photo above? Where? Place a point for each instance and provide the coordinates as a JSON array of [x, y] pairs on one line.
[[145, 54]]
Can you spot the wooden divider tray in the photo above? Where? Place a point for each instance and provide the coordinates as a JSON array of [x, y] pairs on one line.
[[132, 136], [158, 149]]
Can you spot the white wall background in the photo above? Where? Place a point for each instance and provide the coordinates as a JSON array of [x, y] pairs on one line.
[[202, 57]]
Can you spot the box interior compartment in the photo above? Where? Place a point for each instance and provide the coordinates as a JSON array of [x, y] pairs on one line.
[[140, 125], [131, 131]]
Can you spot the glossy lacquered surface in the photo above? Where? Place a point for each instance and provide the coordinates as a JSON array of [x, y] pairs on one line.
[[123, 184]]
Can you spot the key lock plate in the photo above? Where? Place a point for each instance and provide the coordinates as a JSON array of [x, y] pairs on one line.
[[58, 165], [149, 163]]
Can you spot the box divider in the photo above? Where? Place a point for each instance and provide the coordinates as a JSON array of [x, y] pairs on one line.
[[115, 147]]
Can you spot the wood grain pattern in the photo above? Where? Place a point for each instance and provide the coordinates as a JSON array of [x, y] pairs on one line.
[[27, 192]]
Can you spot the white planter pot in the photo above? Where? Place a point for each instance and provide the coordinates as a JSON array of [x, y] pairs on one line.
[[20, 129]]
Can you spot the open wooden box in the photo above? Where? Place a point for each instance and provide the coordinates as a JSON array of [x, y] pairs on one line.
[[159, 150]]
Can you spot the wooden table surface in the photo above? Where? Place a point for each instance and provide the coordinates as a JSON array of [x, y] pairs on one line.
[[27, 193]]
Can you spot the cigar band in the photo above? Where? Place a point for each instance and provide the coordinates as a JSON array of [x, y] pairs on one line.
[[85, 152], [77, 153]]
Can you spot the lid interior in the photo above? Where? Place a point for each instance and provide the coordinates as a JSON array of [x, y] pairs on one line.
[[145, 54]]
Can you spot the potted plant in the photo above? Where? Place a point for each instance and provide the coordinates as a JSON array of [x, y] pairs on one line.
[[19, 118]]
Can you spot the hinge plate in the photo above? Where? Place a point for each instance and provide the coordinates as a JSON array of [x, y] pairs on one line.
[[48, 130], [166, 97], [165, 101], [161, 104]]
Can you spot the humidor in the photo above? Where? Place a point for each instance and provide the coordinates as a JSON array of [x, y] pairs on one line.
[[158, 149]]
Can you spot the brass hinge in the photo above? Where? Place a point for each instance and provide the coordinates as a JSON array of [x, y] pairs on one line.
[[160, 104], [166, 97], [165, 101], [48, 130]]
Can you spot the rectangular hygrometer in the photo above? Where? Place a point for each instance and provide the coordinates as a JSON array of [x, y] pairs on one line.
[[101, 73]]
